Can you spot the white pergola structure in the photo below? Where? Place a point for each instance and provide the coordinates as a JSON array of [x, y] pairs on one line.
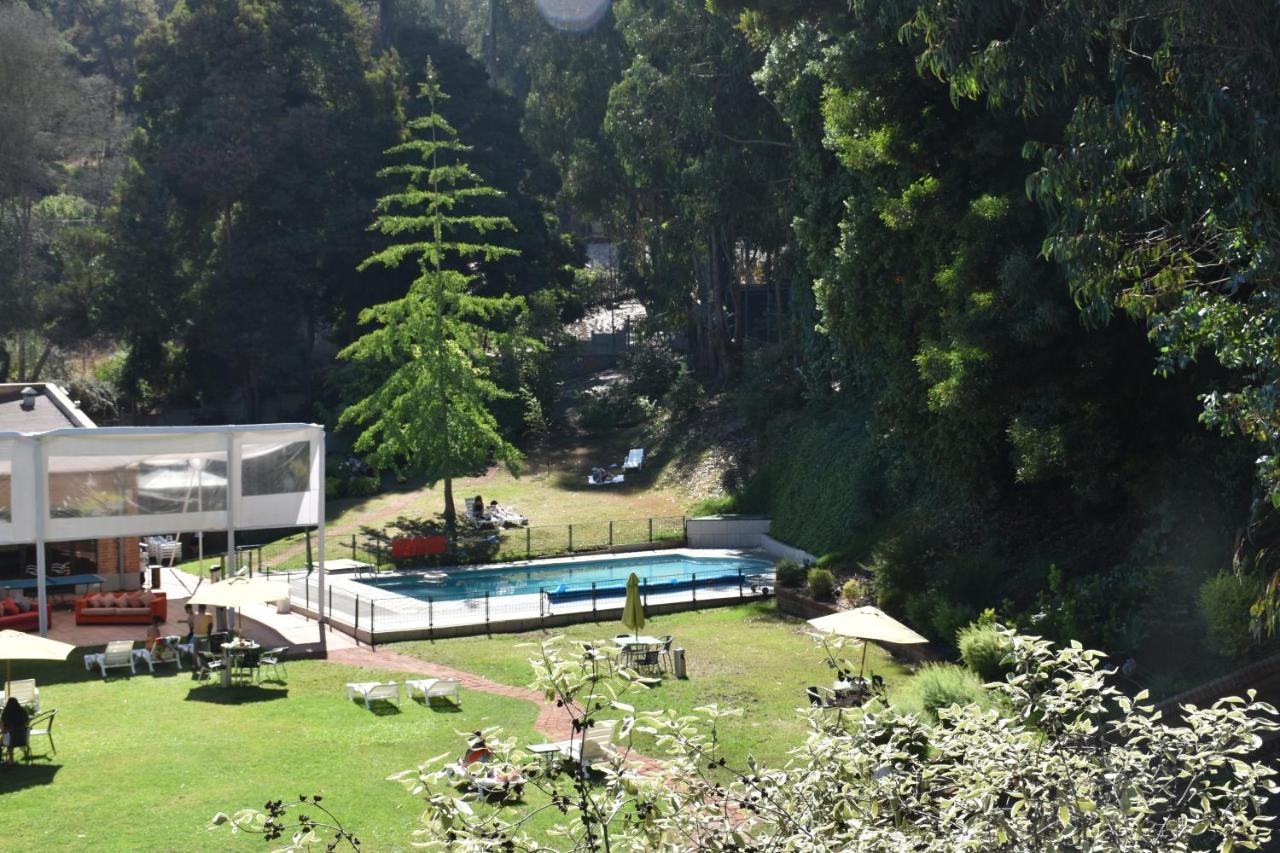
[[110, 482]]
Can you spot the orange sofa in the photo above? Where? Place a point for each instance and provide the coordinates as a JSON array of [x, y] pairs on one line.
[[121, 608], [28, 621]]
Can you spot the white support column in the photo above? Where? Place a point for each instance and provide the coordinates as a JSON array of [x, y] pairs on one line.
[[233, 503], [320, 534], [41, 512]]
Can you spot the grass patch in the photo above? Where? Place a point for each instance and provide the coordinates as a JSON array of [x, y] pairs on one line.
[[143, 762], [748, 656]]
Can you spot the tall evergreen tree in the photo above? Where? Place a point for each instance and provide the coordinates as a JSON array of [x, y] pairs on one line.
[[431, 415]]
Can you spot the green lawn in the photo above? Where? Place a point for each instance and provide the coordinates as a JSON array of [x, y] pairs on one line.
[[143, 762], [747, 656]]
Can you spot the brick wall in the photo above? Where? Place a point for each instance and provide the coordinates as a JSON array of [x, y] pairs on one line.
[[109, 556]]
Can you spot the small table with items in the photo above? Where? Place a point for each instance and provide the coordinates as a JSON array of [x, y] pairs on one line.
[[233, 651]]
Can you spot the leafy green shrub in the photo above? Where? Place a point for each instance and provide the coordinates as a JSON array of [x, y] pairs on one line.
[[897, 567], [1225, 600], [941, 685], [854, 590], [723, 505], [686, 394], [334, 488], [947, 616], [790, 573], [362, 487], [822, 584], [983, 649], [651, 366]]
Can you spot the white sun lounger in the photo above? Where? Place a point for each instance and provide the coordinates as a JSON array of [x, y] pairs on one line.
[[431, 688], [372, 691], [635, 460], [595, 746], [118, 655]]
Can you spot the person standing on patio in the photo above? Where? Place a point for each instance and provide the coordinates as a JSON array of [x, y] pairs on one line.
[[15, 725], [203, 624], [190, 620]]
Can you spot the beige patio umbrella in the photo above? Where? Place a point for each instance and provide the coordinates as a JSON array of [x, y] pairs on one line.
[[238, 591], [16, 645], [867, 623]]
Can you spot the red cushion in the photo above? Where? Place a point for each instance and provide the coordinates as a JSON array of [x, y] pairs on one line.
[[10, 607]]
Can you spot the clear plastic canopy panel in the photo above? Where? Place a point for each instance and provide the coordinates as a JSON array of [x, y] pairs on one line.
[[127, 481]]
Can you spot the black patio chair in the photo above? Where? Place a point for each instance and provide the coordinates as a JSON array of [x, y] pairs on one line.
[[42, 726]]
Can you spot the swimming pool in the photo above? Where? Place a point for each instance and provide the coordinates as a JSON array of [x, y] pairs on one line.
[[568, 580]]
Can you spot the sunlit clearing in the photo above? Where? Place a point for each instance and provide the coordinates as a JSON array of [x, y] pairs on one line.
[[573, 15]]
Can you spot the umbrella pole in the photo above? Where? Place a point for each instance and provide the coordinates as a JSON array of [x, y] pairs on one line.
[[862, 673], [8, 677]]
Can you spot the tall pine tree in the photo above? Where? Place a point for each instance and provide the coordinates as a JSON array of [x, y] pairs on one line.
[[431, 415]]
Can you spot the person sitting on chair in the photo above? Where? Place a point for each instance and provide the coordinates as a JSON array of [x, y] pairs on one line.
[[477, 508], [15, 725], [479, 751], [156, 643]]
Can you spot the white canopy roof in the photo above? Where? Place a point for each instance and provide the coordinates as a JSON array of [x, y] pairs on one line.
[[70, 484]]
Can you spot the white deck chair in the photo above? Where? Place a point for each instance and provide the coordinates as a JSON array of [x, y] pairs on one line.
[[372, 691], [431, 688], [596, 745], [118, 655], [25, 691], [635, 460]]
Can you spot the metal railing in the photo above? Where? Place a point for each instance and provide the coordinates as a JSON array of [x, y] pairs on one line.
[[362, 614]]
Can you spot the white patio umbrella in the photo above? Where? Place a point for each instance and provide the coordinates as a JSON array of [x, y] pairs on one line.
[[238, 591], [16, 645], [867, 623]]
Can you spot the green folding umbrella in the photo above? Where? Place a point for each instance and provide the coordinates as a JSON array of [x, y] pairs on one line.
[[633, 610]]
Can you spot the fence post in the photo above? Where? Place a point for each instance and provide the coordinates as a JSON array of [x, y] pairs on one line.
[[306, 586], [528, 543], [593, 600], [431, 617], [644, 591], [356, 635], [693, 587], [486, 609], [741, 594], [330, 610], [542, 610], [353, 546], [570, 538], [371, 634], [610, 533], [650, 530]]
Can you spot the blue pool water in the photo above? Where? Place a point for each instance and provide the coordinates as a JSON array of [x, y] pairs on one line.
[[573, 580]]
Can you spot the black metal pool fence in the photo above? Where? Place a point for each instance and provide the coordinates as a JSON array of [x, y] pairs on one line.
[[290, 551], [395, 612]]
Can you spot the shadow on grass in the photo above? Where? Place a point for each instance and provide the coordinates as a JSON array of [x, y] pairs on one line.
[[15, 777], [380, 707], [439, 704], [215, 694]]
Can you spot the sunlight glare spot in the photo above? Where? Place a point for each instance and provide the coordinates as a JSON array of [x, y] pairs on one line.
[[573, 15]]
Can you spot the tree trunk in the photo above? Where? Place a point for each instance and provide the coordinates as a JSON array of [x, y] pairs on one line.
[[450, 514]]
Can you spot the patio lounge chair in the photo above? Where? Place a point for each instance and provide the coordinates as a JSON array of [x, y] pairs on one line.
[[118, 655], [152, 660], [25, 691], [595, 746], [372, 691], [635, 460], [431, 688]]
